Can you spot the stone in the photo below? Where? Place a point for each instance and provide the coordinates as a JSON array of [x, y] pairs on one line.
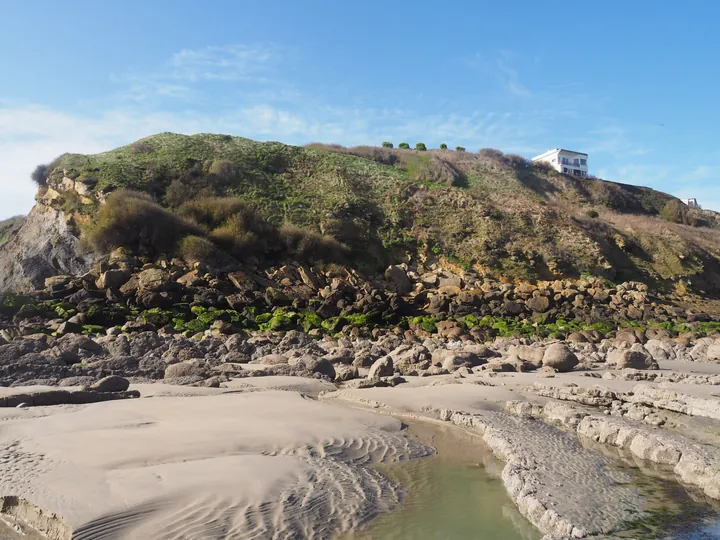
[[449, 329], [112, 383], [532, 355], [318, 365], [539, 304], [273, 359], [345, 373], [382, 367], [713, 352], [181, 369], [112, 279], [69, 328], [559, 357], [398, 277], [632, 359], [153, 279], [461, 359]]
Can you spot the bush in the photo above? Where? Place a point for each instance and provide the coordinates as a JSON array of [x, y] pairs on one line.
[[224, 169], [142, 148], [459, 148], [39, 175], [675, 211], [387, 144], [404, 146], [310, 245], [542, 166], [178, 192], [592, 214], [443, 146], [493, 153], [131, 219], [517, 161], [421, 146], [195, 248]]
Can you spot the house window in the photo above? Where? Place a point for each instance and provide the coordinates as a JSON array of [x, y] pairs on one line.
[[564, 169], [576, 162], [577, 172], [583, 162]]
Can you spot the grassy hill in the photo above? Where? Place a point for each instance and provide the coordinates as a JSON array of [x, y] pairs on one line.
[[495, 213], [8, 226]]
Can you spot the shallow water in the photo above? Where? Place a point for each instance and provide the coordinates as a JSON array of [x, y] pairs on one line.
[[456, 494]]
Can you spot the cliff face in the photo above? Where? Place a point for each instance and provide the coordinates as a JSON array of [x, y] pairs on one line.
[[45, 245]]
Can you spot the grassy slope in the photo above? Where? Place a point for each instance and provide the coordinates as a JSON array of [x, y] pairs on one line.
[[509, 220], [8, 226]]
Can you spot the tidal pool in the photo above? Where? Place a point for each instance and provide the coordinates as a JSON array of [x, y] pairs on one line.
[[456, 494]]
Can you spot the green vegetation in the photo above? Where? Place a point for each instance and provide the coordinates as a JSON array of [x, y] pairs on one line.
[[459, 148], [222, 199], [592, 214], [387, 144], [443, 146], [675, 211], [421, 146], [404, 146]]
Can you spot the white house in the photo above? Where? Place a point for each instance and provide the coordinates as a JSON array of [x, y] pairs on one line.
[[565, 161], [692, 203]]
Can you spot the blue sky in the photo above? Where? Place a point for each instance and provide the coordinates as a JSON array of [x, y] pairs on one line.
[[634, 84]]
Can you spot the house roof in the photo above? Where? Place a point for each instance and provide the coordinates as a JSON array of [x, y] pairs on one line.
[[571, 151]]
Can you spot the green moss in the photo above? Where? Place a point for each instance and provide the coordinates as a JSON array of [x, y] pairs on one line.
[[429, 324], [280, 319], [10, 304], [309, 320], [93, 330]]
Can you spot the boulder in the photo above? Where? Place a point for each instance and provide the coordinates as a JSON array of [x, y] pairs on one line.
[[112, 279], [559, 357], [382, 367], [182, 369], [345, 373], [634, 359], [273, 359], [538, 304], [112, 383], [713, 352], [399, 278], [461, 359], [318, 365], [449, 329], [532, 355]]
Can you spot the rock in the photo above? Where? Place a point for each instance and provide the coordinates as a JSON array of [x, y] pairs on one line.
[[345, 373], [632, 359], [450, 281], [713, 352], [112, 279], [628, 336], [113, 383], [318, 365], [382, 367], [69, 328], [532, 355], [449, 329], [539, 304], [273, 359], [182, 369], [398, 277], [461, 359], [153, 279], [558, 356]]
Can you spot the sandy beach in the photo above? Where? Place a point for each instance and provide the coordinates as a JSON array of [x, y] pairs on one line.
[[291, 457]]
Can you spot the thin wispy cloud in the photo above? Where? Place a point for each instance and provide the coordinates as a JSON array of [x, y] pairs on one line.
[[227, 63], [499, 67]]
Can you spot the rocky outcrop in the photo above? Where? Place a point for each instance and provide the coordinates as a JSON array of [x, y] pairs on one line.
[[45, 245]]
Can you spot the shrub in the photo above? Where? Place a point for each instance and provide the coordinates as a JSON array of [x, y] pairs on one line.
[[459, 148], [131, 219], [310, 245], [542, 166], [387, 144], [39, 175], [592, 214], [517, 161], [404, 146], [675, 211], [421, 146], [224, 169], [195, 248], [443, 146], [178, 192], [142, 148], [490, 153]]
